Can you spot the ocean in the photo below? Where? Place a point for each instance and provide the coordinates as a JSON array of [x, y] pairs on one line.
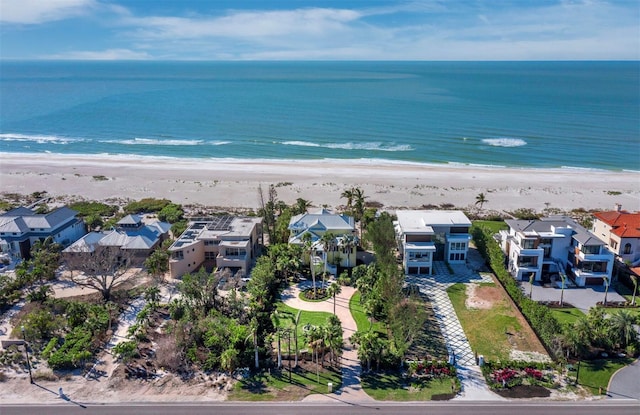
[[512, 114]]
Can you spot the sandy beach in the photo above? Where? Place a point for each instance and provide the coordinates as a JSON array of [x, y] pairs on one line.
[[229, 183]]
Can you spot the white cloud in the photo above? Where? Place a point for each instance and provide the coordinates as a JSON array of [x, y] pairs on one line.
[[103, 55], [252, 24], [40, 11]]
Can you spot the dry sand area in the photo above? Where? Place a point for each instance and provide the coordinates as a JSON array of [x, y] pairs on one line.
[[235, 183]]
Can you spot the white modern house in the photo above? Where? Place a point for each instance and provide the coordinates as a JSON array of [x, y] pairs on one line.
[[552, 247], [222, 242], [21, 227], [425, 236], [309, 228]]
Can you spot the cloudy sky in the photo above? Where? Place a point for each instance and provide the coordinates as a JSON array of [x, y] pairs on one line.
[[320, 30]]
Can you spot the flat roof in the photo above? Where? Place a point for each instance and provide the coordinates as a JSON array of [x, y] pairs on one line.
[[423, 221]]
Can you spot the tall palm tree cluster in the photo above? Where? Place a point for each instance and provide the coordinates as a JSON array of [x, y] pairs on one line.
[[598, 331]]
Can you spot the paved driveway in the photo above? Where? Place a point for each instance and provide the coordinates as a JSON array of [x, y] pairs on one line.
[[581, 298], [625, 383]]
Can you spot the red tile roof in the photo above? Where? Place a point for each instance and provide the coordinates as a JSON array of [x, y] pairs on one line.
[[623, 223]]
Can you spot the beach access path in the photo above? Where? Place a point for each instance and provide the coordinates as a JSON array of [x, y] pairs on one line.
[[351, 390]]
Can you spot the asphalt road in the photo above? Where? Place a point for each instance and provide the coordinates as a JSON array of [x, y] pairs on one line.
[[625, 384], [450, 408]]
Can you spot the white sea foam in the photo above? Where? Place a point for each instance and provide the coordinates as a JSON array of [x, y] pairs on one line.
[[158, 142], [371, 146], [505, 142], [40, 139]]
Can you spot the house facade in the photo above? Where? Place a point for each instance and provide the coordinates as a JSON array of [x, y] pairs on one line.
[[551, 248], [309, 228], [20, 228], [620, 230], [223, 242], [131, 236], [425, 236]]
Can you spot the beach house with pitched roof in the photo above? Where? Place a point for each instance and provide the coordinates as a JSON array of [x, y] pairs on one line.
[[621, 232], [222, 242], [309, 228], [425, 236], [21, 227], [552, 247], [131, 235]]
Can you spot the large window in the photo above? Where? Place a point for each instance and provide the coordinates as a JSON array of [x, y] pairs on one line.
[[594, 266], [211, 242], [422, 256], [458, 246], [177, 255], [456, 256], [528, 261], [528, 243], [591, 249], [210, 255], [235, 252]]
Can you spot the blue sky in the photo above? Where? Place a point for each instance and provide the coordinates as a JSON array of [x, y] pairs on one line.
[[320, 30]]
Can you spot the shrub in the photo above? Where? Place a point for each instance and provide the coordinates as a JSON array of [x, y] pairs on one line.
[[46, 353], [73, 351], [146, 205]]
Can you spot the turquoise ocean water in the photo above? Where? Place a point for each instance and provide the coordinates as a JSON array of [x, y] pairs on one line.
[[515, 114]]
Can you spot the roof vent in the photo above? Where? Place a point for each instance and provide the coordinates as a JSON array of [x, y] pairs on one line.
[[617, 207]]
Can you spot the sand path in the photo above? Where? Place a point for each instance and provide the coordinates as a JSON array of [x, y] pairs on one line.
[[351, 390]]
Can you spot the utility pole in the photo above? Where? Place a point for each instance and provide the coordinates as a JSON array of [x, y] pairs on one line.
[[26, 352]]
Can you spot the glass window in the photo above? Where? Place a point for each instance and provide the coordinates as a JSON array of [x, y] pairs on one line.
[[627, 249]]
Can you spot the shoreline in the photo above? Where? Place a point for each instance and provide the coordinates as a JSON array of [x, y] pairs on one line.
[[234, 182]]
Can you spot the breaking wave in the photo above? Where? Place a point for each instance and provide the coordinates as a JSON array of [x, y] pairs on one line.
[[505, 142], [375, 146], [40, 139]]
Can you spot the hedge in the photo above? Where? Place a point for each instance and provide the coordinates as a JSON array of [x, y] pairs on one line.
[[539, 316]]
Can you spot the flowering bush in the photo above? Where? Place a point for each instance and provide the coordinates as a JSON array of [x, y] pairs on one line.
[[432, 369], [534, 373], [503, 375]]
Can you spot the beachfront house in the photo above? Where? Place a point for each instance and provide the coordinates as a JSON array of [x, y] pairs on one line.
[[132, 236], [620, 230], [21, 227], [222, 242], [310, 230], [425, 236], [549, 249]]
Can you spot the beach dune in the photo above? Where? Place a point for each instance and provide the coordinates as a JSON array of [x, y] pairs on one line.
[[234, 183]]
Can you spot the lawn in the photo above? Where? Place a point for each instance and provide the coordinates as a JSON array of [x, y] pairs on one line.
[[287, 314], [493, 332], [359, 315], [275, 385], [393, 387], [595, 374], [566, 316], [494, 226]]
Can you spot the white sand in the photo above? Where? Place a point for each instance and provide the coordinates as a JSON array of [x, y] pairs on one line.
[[235, 183]]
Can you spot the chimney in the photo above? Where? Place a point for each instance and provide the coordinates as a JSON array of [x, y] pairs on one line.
[[617, 207]]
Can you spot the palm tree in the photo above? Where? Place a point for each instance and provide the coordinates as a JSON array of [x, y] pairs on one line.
[[606, 289], [358, 205], [296, 320], [347, 242], [531, 278], [348, 194], [328, 241], [309, 246], [275, 319], [301, 206], [253, 328], [621, 327], [563, 278], [333, 291], [634, 280], [481, 200]]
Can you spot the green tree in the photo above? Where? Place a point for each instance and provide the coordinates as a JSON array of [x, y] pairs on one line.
[[348, 243], [199, 292], [481, 199], [296, 321], [301, 206], [328, 241], [171, 213], [634, 281], [157, 264], [348, 194], [333, 290], [406, 321], [275, 318], [621, 328]]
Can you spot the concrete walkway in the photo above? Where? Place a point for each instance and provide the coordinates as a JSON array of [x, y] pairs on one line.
[[435, 287], [351, 389]]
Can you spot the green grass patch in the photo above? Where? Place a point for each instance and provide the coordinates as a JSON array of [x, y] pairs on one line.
[[595, 374], [486, 329], [494, 225], [566, 316], [359, 315], [275, 386], [393, 387], [315, 318]]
